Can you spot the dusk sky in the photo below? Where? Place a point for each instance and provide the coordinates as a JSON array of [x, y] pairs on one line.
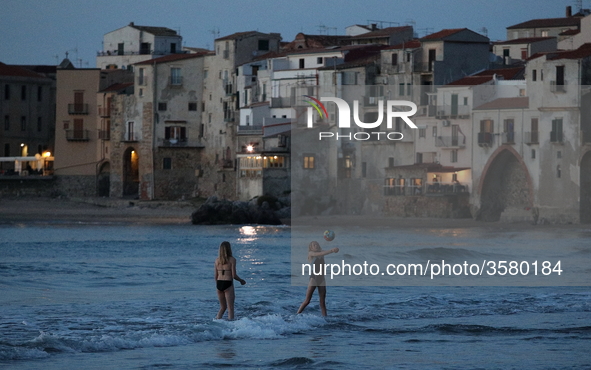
[[40, 32]]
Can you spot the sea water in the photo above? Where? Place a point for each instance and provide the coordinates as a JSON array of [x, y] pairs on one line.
[[114, 296]]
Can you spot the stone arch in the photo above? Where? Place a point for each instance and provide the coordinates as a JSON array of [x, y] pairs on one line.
[[104, 179], [585, 188], [131, 178], [505, 184]]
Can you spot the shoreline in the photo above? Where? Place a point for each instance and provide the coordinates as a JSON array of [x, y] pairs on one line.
[[95, 210]]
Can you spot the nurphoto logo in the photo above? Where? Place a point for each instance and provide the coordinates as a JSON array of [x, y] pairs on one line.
[[344, 118]]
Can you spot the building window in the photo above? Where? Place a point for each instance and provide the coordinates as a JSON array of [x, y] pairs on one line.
[[434, 131], [141, 93], [264, 45], [162, 107], [408, 56], [7, 123], [172, 48], [319, 60], [23, 92], [556, 133], [485, 136], [533, 154], [23, 123], [349, 78], [175, 76], [7, 150], [524, 54], [141, 77], [302, 63], [544, 33], [175, 134], [120, 49], [39, 124], [274, 162], [192, 106], [394, 59], [453, 156], [364, 169], [309, 162], [167, 163], [408, 89], [39, 93], [401, 89], [419, 158], [559, 154], [534, 75], [6, 92], [558, 171], [465, 100], [390, 162], [422, 132]]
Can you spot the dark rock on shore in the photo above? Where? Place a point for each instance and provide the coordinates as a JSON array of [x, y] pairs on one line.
[[263, 210]]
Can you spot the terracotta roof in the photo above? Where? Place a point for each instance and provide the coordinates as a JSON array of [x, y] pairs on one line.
[[411, 44], [382, 33], [156, 31], [486, 76], [172, 58], [548, 22], [471, 81], [525, 40], [237, 35], [117, 87], [442, 34], [506, 103], [570, 32], [304, 41], [583, 51], [16, 71]]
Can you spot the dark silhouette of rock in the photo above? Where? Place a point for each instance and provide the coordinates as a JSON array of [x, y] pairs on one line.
[[220, 211]]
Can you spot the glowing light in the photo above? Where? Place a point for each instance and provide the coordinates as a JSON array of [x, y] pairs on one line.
[[22, 145], [133, 152], [249, 148], [47, 154], [248, 230]]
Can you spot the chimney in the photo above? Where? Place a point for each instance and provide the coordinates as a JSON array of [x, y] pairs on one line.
[[374, 26], [569, 11], [131, 24]]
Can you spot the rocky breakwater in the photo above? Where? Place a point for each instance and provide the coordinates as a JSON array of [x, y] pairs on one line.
[[264, 210]]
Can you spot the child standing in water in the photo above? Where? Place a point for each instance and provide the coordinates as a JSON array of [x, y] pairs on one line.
[[316, 257], [225, 273]]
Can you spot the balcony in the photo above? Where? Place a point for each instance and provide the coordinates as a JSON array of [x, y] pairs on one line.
[[281, 102], [104, 134], [452, 111], [180, 143], [508, 138], [423, 67], [105, 112], [556, 136], [485, 138], [228, 116], [130, 137], [557, 88], [531, 137], [250, 130], [77, 135], [74, 109], [446, 188], [450, 142], [226, 163]]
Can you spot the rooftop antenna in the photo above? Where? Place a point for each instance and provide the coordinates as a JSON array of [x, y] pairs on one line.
[[215, 32], [484, 31], [57, 59], [381, 23], [579, 4]]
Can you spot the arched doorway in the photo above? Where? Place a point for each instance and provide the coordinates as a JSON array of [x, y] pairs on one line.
[[104, 180], [585, 192], [505, 184], [131, 178]]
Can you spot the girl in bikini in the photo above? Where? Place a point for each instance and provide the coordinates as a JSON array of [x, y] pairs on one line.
[[225, 273], [316, 256]]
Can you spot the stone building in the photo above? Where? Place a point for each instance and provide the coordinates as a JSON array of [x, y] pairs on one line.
[[131, 44], [157, 133], [532, 153]]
